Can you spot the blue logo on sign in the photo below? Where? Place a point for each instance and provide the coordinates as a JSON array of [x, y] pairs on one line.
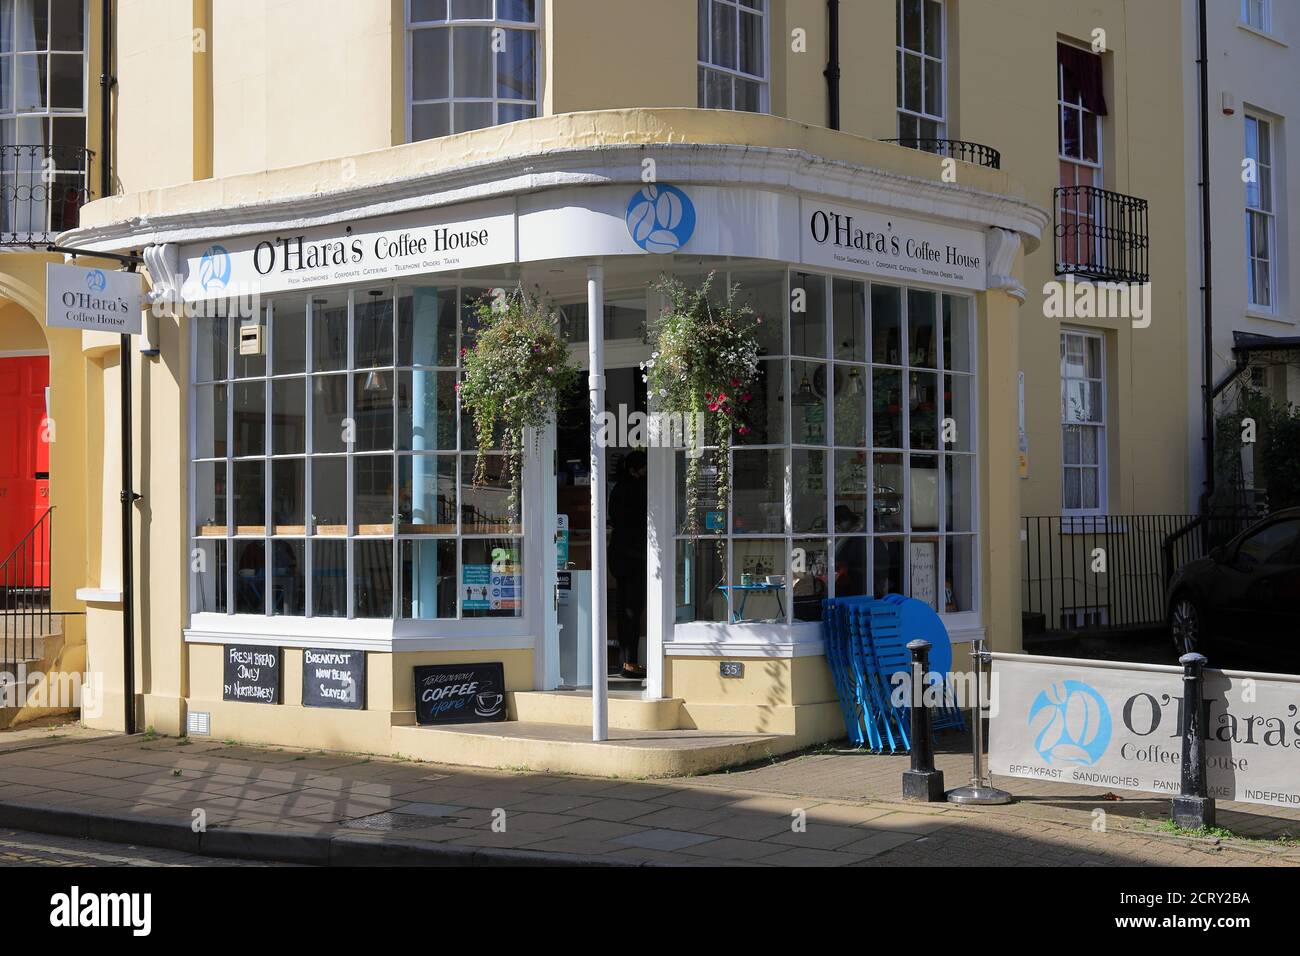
[[96, 281], [660, 218], [214, 267], [1071, 724]]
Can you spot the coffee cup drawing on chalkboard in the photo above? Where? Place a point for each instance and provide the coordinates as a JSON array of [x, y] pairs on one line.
[[488, 704]]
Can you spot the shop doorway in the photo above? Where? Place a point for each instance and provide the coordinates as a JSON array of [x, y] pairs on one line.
[[626, 481], [24, 464]]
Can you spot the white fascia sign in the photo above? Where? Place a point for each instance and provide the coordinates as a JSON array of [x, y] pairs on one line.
[[93, 300]]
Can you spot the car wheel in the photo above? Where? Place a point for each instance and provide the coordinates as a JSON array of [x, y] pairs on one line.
[[1186, 623]]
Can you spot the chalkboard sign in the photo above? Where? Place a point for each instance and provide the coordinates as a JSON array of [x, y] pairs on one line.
[[459, 693], [251, 674], [333, 678]]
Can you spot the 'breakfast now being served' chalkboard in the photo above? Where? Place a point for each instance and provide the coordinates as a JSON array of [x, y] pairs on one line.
[[251, 674], [333, 678], [460, 693]]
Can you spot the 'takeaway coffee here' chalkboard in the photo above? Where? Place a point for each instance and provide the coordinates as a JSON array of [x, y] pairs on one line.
[[460, 693], [251, 674]]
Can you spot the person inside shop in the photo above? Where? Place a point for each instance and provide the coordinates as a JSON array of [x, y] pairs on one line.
[[627, 556], [850, 552]]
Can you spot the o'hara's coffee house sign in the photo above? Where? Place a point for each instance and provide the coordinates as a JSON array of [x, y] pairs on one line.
[[1119, 726], [92, 300]]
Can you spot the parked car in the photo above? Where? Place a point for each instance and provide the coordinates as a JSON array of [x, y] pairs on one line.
[[1247, 591]]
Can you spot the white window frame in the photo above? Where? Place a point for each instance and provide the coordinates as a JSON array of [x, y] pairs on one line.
[[1257, 15], [902, 51], [451, 101], [1079, 210], [1264, 210], [1101, 426], [763, 12]]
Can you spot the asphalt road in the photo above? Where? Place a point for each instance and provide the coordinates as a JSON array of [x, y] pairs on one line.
[[20, 848]]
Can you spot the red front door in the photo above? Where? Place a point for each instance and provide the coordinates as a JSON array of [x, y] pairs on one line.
[[24, 462]]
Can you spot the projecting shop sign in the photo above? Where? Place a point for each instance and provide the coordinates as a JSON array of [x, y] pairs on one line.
[[93, 300]]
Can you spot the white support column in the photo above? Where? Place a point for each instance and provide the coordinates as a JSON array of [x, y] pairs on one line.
[[596, 390], [660, 555]]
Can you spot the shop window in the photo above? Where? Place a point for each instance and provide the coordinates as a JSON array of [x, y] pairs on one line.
[[920, 59], [1261, 226], [732, 37], [332, 471], [471, 64], [858, 474], [1083, 423]]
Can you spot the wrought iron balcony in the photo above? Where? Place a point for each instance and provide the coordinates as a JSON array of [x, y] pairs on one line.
[[1100, 234], [967, 152], [42, 190]]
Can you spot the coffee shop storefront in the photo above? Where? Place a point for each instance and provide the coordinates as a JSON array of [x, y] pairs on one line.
[[331, 529]]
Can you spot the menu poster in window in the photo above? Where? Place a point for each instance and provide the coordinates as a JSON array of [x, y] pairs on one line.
[[459, 693], [924, 572], [492, 587], [251, 674]]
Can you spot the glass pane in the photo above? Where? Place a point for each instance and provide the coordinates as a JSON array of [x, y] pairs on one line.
[[851, 405], [250, 497], [850, 566], [933, 28], [428, 579], [67, 83], [512, 112], [372, 573], [764, 293], [29, 82], [959, 434], [959, 482], [715, 90], [886, 325], [491, 578], [212, 338], [758, 580], [1070, 496], [934, 87], [517, 11], [807, 315], [210, 421], [209, 581], [959, 586], [1088, 442], [887, 408], [808, 402], [251, 365], [289, 337], [850, 310], [426, 327], [329, 396], [1088, 490], [422, 10], [751, 44], [250, 577], [923, 408], [472, 56], [709, 516], [758, 498], [288, 506], [957, 345], [329, 496], [1082, 401], [373, 330], [764, 416], [850, 492], [288, 585], [426, 494], [289, 416], [372, 494], [372, 410], [430, 120], [210, 498], [809, 577], [330, 332], [911, 14], [921, 345], [912, 71], [426, 411], [1070, 444], [470, 116], [922, 572], [471, 9], [250, 419], [887, 566], [749, 96], [925, 493], [329, 574], [698, 572], [486, 510], [67, 25], [887, 492], [724, 35], [809, 471], [517, 67], [429, 67]]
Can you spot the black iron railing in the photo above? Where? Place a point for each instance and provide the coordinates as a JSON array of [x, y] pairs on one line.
[[42, 190], [25, 573], [1100, 234], [961, 149], [1106, 572]]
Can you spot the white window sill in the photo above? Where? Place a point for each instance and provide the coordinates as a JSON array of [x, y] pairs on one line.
[[1262, 34], [1264, 315], [99, 595], [1092, 524], [361, 634]]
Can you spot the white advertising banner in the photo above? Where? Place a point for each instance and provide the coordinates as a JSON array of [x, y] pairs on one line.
[[93, 300], [1100, 723], [892, 247], [389, 248]]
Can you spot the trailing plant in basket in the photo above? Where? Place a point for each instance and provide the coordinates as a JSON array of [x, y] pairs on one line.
[[511, 376], [703, 366]]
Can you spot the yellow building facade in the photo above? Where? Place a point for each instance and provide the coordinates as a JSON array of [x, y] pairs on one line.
[[321, 190]]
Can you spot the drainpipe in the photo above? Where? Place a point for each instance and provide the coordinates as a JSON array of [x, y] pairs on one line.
[[1207, 296], [832, 71], [106, 82]]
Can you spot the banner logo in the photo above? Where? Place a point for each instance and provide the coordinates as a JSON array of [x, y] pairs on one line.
[[1071, 724], [96, 281], [660, 218], [214, 267]]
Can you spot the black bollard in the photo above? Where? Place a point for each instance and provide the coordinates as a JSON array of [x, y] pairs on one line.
[[1193, 808], [922, 782]]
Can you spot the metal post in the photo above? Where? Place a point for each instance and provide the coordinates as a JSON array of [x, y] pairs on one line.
[[1193, 808], [596, 390], [127, 499], [922, 782], [981, 791]]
